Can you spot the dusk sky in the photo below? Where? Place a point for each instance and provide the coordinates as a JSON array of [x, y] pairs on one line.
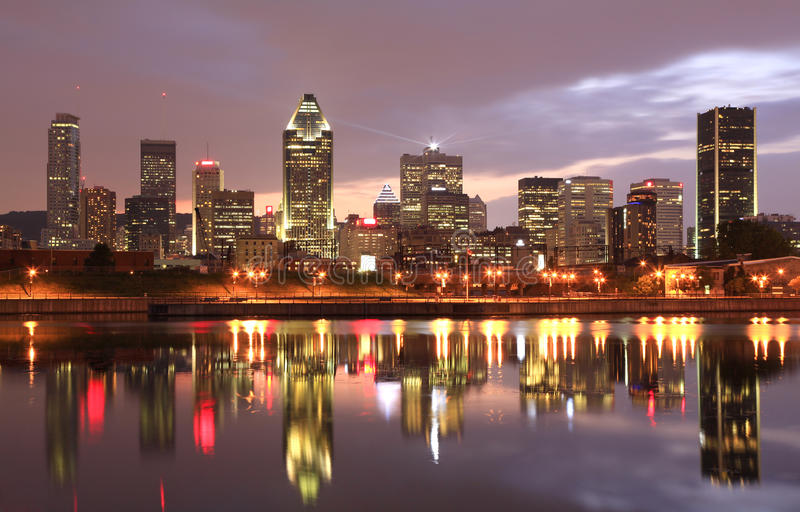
[[518, 88]]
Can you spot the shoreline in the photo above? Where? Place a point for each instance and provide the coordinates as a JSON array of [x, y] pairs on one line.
[[390, 307]]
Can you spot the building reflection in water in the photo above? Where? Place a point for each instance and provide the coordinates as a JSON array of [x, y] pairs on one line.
[[307, 365], [561, 375], [566, 367]]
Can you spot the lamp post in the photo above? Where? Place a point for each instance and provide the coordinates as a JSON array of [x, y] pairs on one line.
[[235, 277], [31, 276], [549, 276], [761, 281], [599, 280], [316, 280], [466, 286], [570, 278], [659, 275], [442, 277]]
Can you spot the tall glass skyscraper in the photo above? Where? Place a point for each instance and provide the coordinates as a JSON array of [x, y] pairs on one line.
[[420, 174], [307, 208], [727, 177], [537, 206], [158, 179], [63, 181], [208, 178], [583, 204], [669, 212]]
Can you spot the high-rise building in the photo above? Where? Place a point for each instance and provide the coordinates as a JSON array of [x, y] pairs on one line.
[[360, 237], [386, 209], [583, 204], [477, 214], [691, 249], [786, 225], [537, 206], [231, 218], [307, 208], [146, 216], [727, 176], [63, 181], [669, 212], [445, 211], [208, 178], [158, 179], [632, 228], [98, 215], [421, 173]]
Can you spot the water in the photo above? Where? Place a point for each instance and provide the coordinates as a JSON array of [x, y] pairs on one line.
[[561, 414]]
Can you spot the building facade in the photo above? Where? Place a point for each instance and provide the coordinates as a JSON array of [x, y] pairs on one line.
[[307, 208], [387, 208], [583, 204], [632, 228], [10, 238], [445, 211], [669, 212], [477, 214], [537, 206], [258, 252], [421, 173], [359, 237], [157, 164], [786, 225], [727, 174], [98, 216], [145, 215], [231, 218], [63, 181], [267, 222], [208, 178]]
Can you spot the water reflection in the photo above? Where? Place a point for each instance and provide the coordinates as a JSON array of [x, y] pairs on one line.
[[422, 375]]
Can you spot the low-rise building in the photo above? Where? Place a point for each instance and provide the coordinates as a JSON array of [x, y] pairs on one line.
[[365, 237], [258, 251]]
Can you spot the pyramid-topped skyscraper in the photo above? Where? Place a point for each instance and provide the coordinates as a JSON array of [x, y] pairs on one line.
[[307, 208], [386, 208]]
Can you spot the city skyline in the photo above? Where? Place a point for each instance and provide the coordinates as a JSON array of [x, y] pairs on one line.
[[629, 116]]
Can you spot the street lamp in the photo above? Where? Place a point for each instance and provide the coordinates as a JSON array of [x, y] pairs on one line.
[[235, 277], [316, 280], [600, 279], [31, 275], [658, 274], [549, 276], [466, 286], [761, 281]]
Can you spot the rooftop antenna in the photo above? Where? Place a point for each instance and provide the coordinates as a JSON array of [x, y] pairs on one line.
[[163, 114]]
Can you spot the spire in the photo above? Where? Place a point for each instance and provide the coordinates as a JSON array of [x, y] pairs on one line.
[[387, 196], [308, 118]]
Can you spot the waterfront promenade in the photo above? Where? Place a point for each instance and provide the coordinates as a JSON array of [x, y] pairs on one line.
[[389, 307]]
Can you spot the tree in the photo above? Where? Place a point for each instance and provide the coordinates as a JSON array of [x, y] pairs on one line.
[[756, 238], [647, 285], [101, 257]]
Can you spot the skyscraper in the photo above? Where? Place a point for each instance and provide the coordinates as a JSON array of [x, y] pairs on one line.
[[421, 173], [583, 204], [98, 215], [63, 181], [445, 211], [307, 208], [146, 217], [727, 176], [537, 206], [231, 218], [208, 178], [386, 209], [669, 212], [477, 214], [158, 179], [632, 228]]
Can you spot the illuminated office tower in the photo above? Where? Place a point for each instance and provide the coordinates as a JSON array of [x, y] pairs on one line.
[[98, 215], [537, 206], [231, 218], [727, 175], [158, 179], [147, 218], [266, 223], [208, 178], [386, 209], [729, 410], [583, 204], [632, 228], [421, 173], [445, 211], [307, 208], [477, 214], [63, 181], [669, 212]]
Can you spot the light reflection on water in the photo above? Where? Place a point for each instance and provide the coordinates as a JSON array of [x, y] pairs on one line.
[[445, 384]]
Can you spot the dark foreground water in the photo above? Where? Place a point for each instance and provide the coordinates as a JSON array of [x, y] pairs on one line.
[[548, 414]]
